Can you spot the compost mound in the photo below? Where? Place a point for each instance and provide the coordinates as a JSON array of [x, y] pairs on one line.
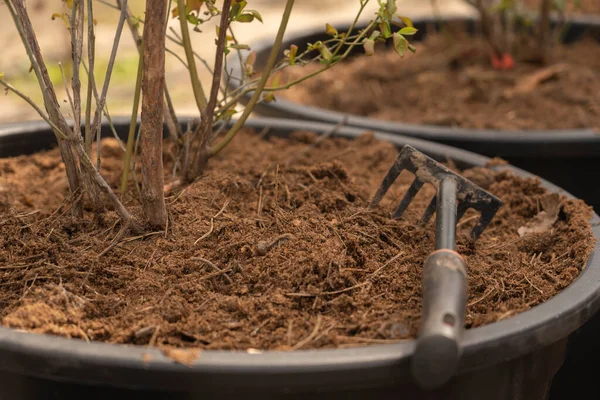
[[449, 82], [273, 248]]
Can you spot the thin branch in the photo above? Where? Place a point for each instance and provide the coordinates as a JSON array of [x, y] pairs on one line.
[[486, 27], [108, 4], [218, 70], [105, 111], [87, 163], [172, 123], [189, 54], [261, 84], [91, 88], [204, 129], [544, 33], [177, 40], [41, 113], [69, 98], [27, 34], [76, 51], [177, 56], [113, 55], [132, 124]]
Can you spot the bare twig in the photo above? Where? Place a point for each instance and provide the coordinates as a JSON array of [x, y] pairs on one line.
[[189, 54], [96, 128], [69, 97], [76, 51], [41, 113], [261, 84], [132, 124], [91, 78], [205, 128], [27, 34], [544, 35]]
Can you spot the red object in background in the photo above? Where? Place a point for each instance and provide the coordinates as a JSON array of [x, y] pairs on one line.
[[506, 62]]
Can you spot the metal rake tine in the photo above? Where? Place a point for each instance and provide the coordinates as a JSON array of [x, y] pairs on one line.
[[461, 209], [414, 188], [390, 177], [429, 211], [484, 220]]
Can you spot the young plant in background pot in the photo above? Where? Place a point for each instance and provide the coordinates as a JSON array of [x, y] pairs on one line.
[[540, 113], [267, 247]]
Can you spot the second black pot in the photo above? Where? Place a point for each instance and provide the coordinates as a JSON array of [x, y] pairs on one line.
[[564, 157]]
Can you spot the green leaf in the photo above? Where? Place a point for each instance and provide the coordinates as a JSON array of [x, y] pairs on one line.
[[326, 53], [330, 30], [391, 6], [400, 44], [385, 29], [227, 114], [408, 31], [256, 14], [375, 35], [235, 10], [245, 18], [192, 19], [1, 75], [407, 21]]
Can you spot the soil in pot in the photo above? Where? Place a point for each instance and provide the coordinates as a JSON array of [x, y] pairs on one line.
[[450, 82], [572, 7], [273, 248]]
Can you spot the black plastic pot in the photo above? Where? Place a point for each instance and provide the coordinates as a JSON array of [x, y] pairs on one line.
[[512, 359], [564, 157]]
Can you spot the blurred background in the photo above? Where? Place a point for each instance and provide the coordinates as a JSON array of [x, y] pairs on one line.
[[54, 42]]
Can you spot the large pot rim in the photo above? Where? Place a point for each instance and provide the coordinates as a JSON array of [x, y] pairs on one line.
[[541, 143], [59, 358]]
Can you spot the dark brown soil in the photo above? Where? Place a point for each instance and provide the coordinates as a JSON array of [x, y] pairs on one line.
[[584, 6], [273, 248], [450, 82]]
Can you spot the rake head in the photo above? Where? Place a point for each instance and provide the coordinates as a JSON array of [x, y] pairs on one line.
[[427, 170]]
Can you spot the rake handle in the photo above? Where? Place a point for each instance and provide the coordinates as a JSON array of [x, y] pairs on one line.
[[442, 322], [444, 298]]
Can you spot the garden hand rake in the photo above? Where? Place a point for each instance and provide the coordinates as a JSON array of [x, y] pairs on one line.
[[444, 272]]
